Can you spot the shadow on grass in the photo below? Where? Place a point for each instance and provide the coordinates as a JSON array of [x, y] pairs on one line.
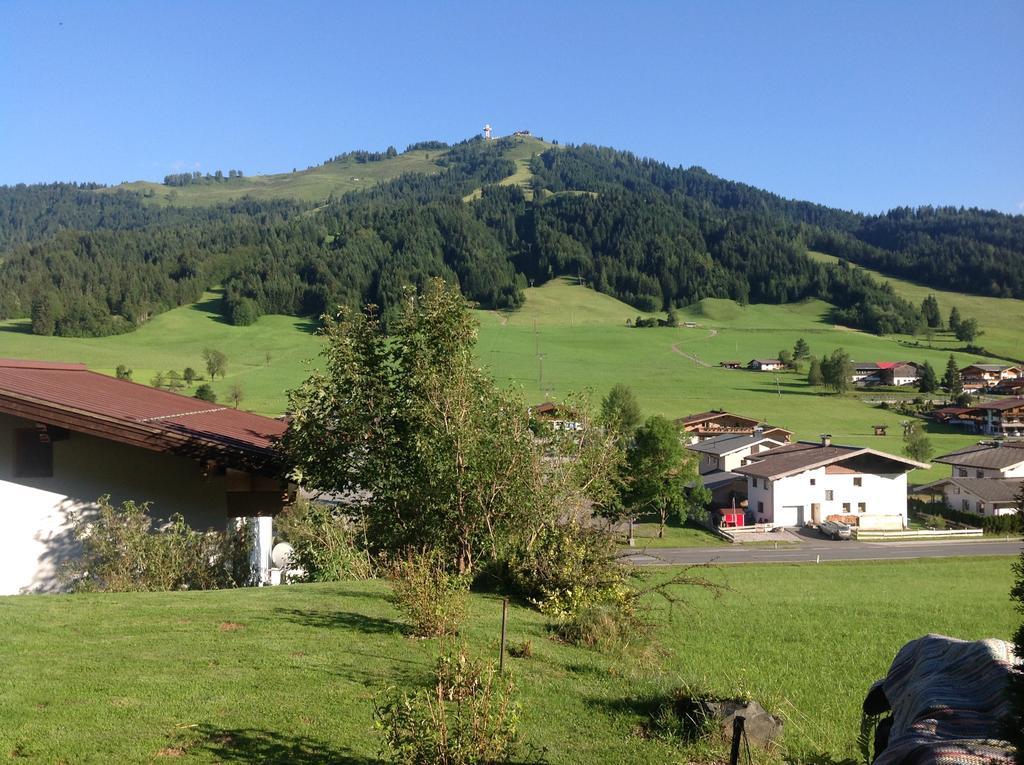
[[349, 620], [819, 758], [22, 327], [250, 745]]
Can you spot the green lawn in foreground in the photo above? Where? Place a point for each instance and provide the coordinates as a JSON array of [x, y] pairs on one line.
[[288, 674], [645, 534], [1001, 319]]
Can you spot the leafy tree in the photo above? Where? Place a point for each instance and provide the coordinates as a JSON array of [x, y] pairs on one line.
[[968, 330], [189, 375], [216, 362], [952, 380], [930, 312], [174, 380], [122, 372], [801, 350], [205, 393], [916, 444], [928, 382], [235, 395], [836, 370], [786, 357], [661, 473], [672, 319], [620, 412], [814, 374], [442, 457]]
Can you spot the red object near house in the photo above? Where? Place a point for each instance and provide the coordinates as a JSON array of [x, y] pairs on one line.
[[732, 518]]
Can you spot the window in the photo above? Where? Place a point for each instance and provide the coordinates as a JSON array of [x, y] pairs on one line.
[[858, 481], [962, 472], [760, 507], [862, 507], [33, 456], [755, 483], [846, 507], [967, 506], [979, 473], [828, 495], [814, 481], [981, 507]]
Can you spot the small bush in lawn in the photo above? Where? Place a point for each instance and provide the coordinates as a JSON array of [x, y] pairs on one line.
[[325, 543], [432, 597], [123, 552], [523, 650], [468, 715]]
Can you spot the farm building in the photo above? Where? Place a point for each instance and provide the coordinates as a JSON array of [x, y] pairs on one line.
[[71, 436], [731, 364], [765, 365], [1000, 418], [697, 427], [986, 478], [808, 482], [723, 453], [893, 373], [556, 416], [980, 376]]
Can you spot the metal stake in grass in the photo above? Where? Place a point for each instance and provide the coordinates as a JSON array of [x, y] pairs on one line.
[[504, 622]]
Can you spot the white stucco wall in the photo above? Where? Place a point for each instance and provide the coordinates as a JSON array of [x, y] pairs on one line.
[[35, 532], [788, 501], [955, 497]]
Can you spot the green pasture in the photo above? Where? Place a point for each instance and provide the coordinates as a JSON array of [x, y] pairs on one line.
[[567, 338], [1001, 319], [176, 339], [288, 674], [312, 185]]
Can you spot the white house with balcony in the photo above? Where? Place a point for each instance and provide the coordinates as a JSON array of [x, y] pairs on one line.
[[986, 478], [809, 482]]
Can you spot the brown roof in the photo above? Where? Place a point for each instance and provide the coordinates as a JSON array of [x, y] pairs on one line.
[[807, 455], [987, 489], [986, 455], [1009, 403], [694, 419], [71, 397]]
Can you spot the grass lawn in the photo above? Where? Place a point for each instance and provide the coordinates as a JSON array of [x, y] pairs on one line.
[[645, 533], [288, 674]]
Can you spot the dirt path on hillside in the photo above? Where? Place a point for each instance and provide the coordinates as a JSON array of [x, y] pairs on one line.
[[692, 356]]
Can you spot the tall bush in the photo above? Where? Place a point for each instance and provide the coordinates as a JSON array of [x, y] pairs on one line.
[[325, 542], [123, 551], [432, 597], [469, 715]]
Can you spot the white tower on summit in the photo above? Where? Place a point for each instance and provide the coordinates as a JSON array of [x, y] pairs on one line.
[[487, 132]]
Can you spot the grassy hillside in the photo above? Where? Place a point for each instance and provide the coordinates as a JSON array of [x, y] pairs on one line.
[[288, 674], [311, 185], [176, 339], [584, 342], [525, 147], [586, 345], [1001, 319]]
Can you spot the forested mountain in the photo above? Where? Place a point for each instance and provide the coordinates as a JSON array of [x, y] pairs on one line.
[[81, 260]]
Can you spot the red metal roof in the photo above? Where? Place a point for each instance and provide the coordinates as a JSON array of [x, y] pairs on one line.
[[70, 396]]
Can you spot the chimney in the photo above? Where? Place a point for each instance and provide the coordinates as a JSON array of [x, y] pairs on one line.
[[826, 439], [758, 430]]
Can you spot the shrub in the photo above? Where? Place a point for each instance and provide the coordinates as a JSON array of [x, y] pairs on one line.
[[992, 524], [122, 552], [469, 716], [568, 568], [325, 543], [522, 650], [433, 598], [205, 393]]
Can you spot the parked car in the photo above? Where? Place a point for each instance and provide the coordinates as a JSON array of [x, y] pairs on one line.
[[835, 529]]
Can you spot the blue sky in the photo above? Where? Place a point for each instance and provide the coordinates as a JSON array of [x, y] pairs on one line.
[[861, 105]]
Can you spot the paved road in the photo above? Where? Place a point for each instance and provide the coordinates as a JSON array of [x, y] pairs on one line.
[[825, 550]]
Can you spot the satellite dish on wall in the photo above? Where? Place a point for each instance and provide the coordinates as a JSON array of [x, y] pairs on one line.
[[281, 555]]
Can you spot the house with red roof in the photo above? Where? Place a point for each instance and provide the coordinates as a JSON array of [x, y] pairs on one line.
[[69, 436]]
